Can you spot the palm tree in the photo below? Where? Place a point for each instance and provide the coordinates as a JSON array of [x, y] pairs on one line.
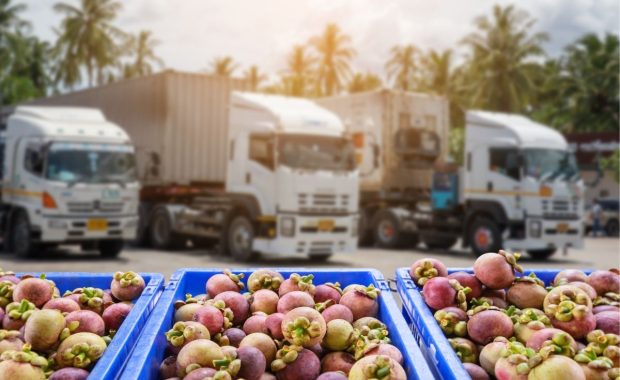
[[26, 75], [299, 69], [254, 77], [335, 59], [223, 66], [142, 48], [437, 77], [364, 82], [579, 91], [402, 65], [87, 39], [9, 17], [500, 59]]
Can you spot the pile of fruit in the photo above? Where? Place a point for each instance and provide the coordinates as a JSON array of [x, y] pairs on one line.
[[46, 335], [513, 327], [286, 329]]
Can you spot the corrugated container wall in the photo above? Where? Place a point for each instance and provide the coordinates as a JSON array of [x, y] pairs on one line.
[[183, 117], [379, 115]]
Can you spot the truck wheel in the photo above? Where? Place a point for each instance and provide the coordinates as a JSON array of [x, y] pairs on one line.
[[440, 243], [611, 228], [240, 238], [365, 238], [484, 236], [161, 234], [110, 248], [541, 254], [386, 230], [21, 238]]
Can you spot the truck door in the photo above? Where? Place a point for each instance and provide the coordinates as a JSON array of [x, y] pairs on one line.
[[26, 177], [504, 176], [260, 172]]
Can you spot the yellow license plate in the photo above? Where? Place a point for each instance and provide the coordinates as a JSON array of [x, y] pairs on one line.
[[326, 225], [562, 227], [97, 225]]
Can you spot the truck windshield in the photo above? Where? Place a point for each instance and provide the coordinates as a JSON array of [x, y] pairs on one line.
[[90, 163], [550, 164], [316, 152]]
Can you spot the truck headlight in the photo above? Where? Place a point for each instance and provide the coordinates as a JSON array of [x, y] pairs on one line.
[[57, 224], [287, 226], [535, 228], [355, 226]]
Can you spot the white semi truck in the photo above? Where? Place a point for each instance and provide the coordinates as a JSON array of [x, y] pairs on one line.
[[520, 188], [68, 176], [247, 172]]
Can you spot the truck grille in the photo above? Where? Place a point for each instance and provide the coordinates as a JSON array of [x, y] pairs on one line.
[[323, 203], [559, 209], [88, 207], [560, 205]]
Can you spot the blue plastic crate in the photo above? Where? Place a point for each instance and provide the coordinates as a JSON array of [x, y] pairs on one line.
[[145, 360], [111, 364], [434, 345]]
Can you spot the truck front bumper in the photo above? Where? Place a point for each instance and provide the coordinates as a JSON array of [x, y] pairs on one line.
[[552, 234], [310, 240], [56, 229]]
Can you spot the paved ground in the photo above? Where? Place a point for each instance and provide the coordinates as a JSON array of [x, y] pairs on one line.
[[600, 253]]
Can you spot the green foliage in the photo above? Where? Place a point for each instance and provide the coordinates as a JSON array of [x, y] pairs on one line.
[[579, 91], [500, 69], [87, 40], [23, 58], [402, 66], [142, 47], [254, 77], [335, 55], [457, 145], [612, 163], [223, 66], [364, 82]]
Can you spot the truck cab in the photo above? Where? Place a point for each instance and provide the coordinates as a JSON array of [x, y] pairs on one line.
[[292, 166], [68, 177], [522, 188]]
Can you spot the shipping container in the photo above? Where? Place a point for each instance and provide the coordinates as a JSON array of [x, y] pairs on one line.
[[382, 119], [181, 117]]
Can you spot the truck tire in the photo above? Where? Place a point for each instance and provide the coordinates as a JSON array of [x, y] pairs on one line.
[[239, 238], [541, 254], [611, 228], [365, 238], [438, 242], [21, 238], [161, 235], [110, 248], [386, 231], [484, 236]]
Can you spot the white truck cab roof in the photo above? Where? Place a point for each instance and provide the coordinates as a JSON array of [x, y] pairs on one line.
[[64, 122], [525, 132], [292, 115]]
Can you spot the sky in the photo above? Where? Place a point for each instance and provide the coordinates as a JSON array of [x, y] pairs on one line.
[[262, 32]]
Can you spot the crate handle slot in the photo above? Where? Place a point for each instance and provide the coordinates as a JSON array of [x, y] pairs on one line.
[[409, 284], [392, 285], [383, 285], [172, 284], [149, 290]]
